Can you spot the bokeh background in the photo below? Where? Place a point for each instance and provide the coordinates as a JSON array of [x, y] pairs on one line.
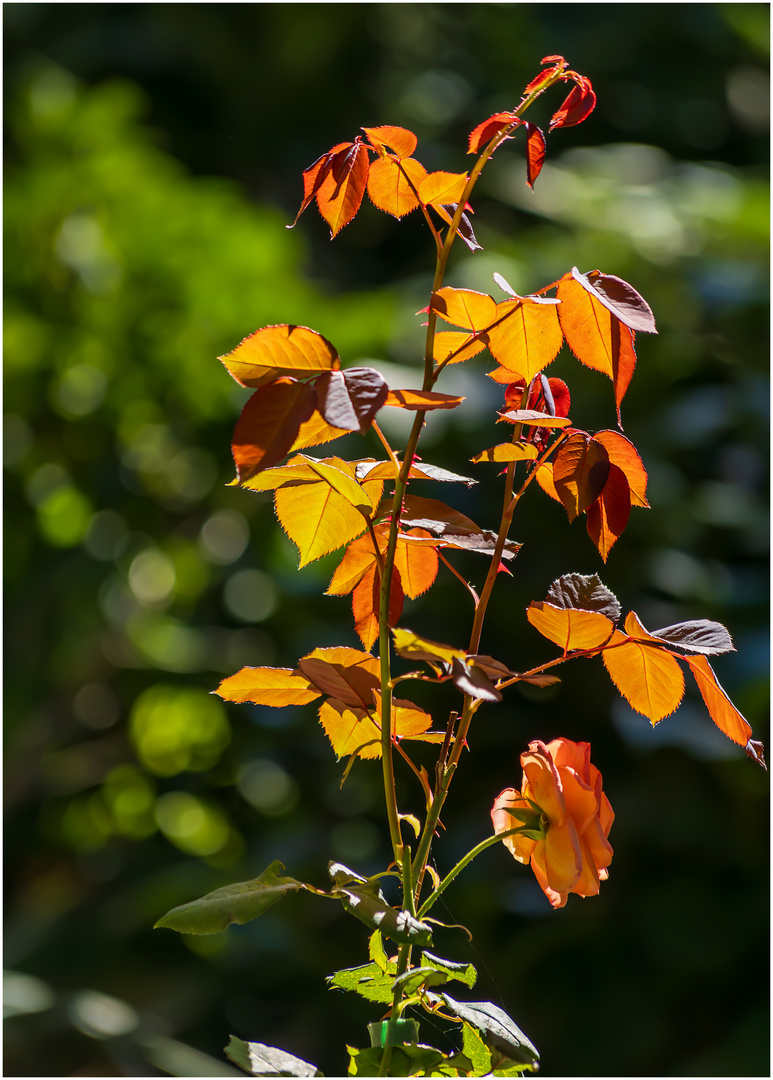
[[153, 157]]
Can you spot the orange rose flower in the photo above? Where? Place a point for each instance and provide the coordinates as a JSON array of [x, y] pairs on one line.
[[573, 853]]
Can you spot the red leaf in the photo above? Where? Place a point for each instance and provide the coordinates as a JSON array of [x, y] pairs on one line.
[[314, 176], [578, 105], [269, 424], [486, 130], [608, 516], [535, 153], [558, 62]]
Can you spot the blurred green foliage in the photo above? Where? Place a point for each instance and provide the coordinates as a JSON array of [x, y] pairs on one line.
[[144, 236]]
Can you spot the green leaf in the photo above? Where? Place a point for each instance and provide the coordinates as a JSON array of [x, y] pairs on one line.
[[412, 1059], [232, 904], [369, 981], [260, 1060], [464, 973], [500, 1032], [476, 1050], [377, 953], [363, 899], [411, 980]]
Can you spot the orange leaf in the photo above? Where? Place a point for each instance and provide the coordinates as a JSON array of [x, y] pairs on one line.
[[389, 187], [649, 678], [280, 350], [596, 337], [346, 674], [721, 709], [607, 517], [358, 559], [402, 141], [580, 471], [442, 188], [486, 130], [267, 686], [340, 193], [366, 600], [416, 563], [315, 174], [269, 424], [623, 453], [451, 347], [464, 307], [570, 628], [526, 337], [421, 400]]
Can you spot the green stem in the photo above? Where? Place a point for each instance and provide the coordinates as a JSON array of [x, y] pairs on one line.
[[463, 862]]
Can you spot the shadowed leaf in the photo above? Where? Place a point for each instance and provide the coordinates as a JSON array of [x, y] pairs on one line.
[[586, 592], [608, 516], [269, 424], [238, 903], [697, 636], [580, 471], [261, 1060]]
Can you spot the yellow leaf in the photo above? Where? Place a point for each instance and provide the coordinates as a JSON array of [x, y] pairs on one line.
[[519, 451], [414, 647], [317, 518], [267, 686], [526, 338], [342, 482], [649, 678], [284, 350], [570, 628]]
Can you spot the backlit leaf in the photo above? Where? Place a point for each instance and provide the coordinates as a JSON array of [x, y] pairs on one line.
[[343, 673], [442, 187], [421, 400], [412, 646], [283, 350], [238, 903], [518, 451], [570, 628], [398, 139], [417, 564], [720, 707], [340, 194], [357, 560], [269, 424], [532, 418], [580, 471], [315, 431], [267, 686], [585, 591], [392, 187], [545, 480], [356, 731], [527, 336], [485, 131], [535, 153], [453, 346], [623, 453], [577, 106], [369, 981], [608, 516], [595, 335], [366, 602], [317, 519], [464, 307], [650, 679]]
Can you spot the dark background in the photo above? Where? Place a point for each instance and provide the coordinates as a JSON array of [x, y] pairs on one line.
[[153, 159]]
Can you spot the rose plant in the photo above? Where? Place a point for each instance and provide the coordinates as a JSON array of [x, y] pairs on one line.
[[395, 541]]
